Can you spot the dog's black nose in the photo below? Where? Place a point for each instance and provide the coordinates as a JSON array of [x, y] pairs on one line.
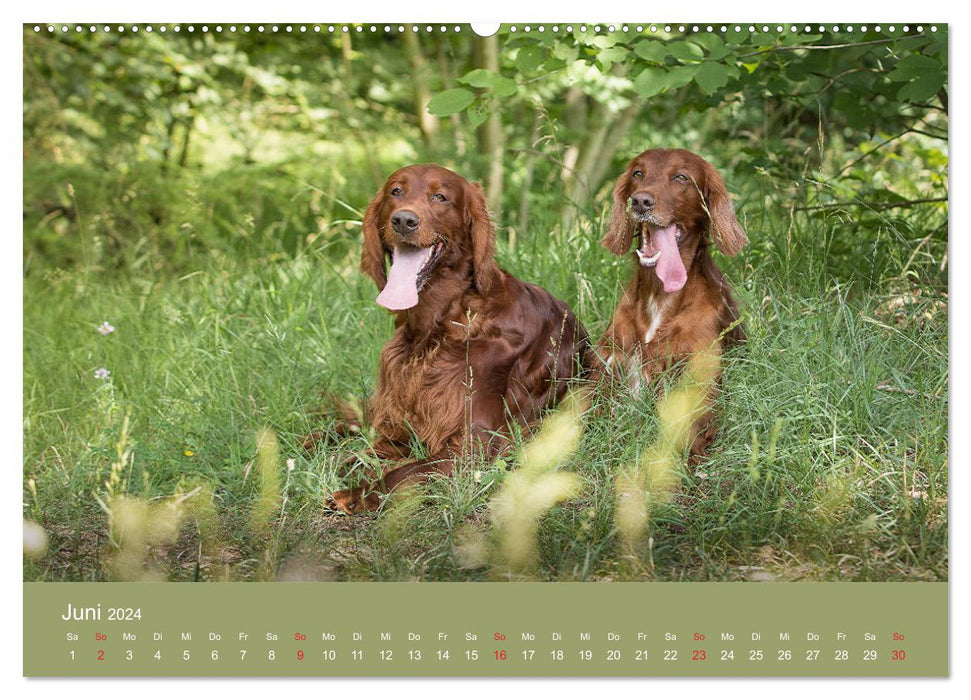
[[642, 201], [404, 222]]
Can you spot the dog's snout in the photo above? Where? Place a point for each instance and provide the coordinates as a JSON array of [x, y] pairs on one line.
[[404, 222], [642, 201]]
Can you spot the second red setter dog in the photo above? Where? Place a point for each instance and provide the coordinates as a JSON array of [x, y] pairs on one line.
[[674, 204], [474, 350]]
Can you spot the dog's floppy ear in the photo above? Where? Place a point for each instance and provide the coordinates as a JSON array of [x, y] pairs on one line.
[[373, 256], [620, 229], [725, 229], [483, 237]]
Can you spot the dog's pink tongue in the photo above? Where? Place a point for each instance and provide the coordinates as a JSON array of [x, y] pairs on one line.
[[670, 267], [401, 291]]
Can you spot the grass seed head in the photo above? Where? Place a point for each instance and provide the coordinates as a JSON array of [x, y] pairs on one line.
[[268, 466], [35, 540]]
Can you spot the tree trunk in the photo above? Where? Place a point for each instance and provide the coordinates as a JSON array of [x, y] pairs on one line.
[[186, 137], [427, 123], [528, 173], [595, 167], [575, 121], [448, 82], [605, 134], [485, 53], [346, 54], [585, 170], [167, 144]]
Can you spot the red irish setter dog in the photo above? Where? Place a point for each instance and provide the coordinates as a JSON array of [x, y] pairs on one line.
[[673, 203], [474, 350]]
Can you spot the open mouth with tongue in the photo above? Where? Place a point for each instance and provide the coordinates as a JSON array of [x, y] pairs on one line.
[[410, 268], [659, 249]]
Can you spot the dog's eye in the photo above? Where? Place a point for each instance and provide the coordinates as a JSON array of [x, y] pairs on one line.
[[439, 197], [637, 174], [397, 192], [680, 177]]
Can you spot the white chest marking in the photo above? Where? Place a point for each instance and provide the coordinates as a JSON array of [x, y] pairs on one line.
[[655, 312]]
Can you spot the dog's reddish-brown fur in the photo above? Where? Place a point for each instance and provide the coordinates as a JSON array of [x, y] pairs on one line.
[[652, 329], [480, 351]]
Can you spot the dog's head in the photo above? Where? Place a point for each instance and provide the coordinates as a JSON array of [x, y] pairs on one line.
[[433, 224], [671, 199]]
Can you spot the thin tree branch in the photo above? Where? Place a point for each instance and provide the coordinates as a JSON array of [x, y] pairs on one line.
[[835, 79], [817, 48], [940, 137], [869, 153]]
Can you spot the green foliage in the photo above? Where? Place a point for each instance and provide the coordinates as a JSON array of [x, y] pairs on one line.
[[481, 78], [451, 101], [710, 76], [833, 415], [159, 113], [737, 68], [204, 194]]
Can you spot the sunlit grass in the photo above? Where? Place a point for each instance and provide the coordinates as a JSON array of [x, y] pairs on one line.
[[656, 475], [267, 468], [528, 493], [185, 462]]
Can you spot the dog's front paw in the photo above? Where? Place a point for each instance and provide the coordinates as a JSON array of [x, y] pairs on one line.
[[354, 501]]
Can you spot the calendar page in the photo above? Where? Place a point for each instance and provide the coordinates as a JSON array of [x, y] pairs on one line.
[[580, 349]]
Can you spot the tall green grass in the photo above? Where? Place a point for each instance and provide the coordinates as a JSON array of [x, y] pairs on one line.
[[831, 461]]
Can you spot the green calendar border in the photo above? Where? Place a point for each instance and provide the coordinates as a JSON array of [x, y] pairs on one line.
[[918, 611]]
